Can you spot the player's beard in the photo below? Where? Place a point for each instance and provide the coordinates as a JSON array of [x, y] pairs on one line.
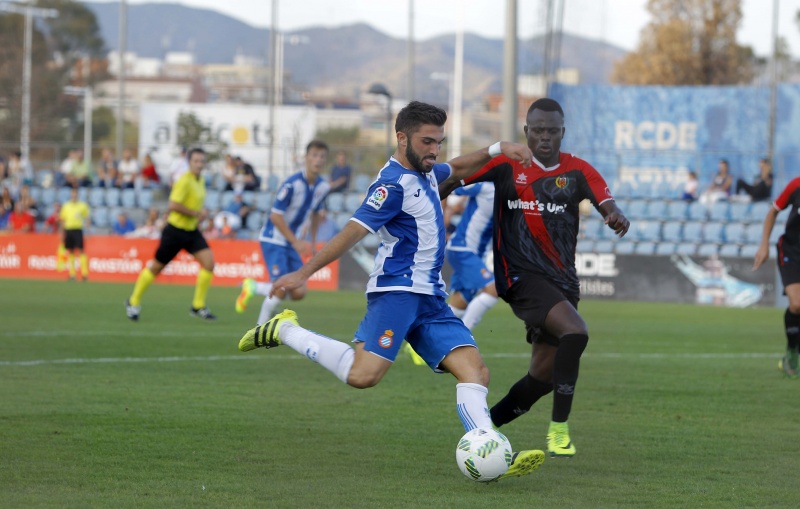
[[416, 161]]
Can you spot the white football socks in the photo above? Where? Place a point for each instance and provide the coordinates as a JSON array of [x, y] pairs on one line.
[[268, 308], [471, 406], [476, 309], [263, 288], [335, 356]]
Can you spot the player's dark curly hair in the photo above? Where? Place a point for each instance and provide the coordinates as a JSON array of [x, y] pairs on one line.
[[317, 144], [546, 104], [416, 114]]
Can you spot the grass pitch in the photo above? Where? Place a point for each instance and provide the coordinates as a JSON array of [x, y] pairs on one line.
[[677, 406]]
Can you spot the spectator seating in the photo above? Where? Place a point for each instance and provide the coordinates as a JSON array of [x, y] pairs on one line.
[[660, 226]]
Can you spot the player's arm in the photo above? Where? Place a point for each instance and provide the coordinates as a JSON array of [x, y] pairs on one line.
[[280, 223], [614, 218], [333, 250], [763, 249], [466, 165]]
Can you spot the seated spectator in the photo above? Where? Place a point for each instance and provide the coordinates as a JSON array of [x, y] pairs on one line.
[[3, 169], [340, 174], [228, 172], [30, 204], [690, 188], [6, 201], [20, 221], [150, 176], [128, 170], [152, 226], [123, 224], [761, 188], [720, 188], [244, 178], [53, 222], [238, 207], [19, 170], [226, 224], [107, 169], [79, 174]]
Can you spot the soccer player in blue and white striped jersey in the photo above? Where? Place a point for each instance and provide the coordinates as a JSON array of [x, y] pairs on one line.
[[472, 290], [300, 197], [405, 293]]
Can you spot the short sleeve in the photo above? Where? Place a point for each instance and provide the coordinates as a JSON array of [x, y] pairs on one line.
[[179, 191], [283, 198], [383, 202], [442, 171]]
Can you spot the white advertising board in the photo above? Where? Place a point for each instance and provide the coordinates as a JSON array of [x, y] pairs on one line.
[[245, 129]]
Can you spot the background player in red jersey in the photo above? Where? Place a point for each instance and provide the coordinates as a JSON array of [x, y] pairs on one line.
[[789, 267], [535, 233]]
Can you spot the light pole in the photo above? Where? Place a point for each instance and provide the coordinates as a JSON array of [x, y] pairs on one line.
[[86, 92], [29, 12], [380, 89], [122, 43]]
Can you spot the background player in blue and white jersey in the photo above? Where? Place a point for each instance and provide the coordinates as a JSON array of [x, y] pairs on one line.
[[405, 293], [472, 290], [300, 197]]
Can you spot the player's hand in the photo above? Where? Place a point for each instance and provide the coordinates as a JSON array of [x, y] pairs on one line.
[[761, 256], [287, 283], [517, 152], [302, 246], [618, 222], [202, 215]]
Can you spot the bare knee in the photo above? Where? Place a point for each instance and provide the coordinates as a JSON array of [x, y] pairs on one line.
[[363, 380], [298, 293], [794, 308]]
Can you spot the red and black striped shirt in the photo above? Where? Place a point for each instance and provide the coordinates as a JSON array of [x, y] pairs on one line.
[[536, 217]]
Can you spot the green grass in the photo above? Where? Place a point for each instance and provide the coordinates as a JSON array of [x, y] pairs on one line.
[[677, 406]]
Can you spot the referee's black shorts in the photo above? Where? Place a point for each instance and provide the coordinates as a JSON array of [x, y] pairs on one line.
[[73, 239], [174, 239], [788, 262], [531, 298]]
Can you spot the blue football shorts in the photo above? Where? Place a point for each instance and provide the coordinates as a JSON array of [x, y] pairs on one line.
[[425, 321], [470, 274], [280, 260]]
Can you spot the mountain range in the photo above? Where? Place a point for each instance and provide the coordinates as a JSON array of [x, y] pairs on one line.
[[344, 59]]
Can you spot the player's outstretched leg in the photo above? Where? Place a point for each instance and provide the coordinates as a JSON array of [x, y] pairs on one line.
[[266, 334], [523, 463], [248, 290], [558, 441]]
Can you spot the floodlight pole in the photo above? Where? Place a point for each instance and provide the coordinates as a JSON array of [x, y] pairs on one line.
[[29, 12], [509, 111], [86, 92], [773, 95], [122, 43]]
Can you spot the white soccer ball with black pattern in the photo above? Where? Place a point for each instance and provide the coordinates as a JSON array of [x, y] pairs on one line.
[[483, 455]]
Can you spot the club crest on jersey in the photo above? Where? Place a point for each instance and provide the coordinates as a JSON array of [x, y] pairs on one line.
[[386, 340], [378, 197], [276, 271], [282, 193], [522, 179], [562, 182]]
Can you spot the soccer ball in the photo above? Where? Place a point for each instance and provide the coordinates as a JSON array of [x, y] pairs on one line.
[[483, 455]]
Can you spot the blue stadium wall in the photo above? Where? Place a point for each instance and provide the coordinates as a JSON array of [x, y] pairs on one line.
[[677, 129]]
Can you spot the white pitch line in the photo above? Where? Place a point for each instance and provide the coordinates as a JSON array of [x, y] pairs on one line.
[[214, 358]]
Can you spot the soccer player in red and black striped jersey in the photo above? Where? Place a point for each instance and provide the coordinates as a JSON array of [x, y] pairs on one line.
[[535, 234], [788, 266]]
